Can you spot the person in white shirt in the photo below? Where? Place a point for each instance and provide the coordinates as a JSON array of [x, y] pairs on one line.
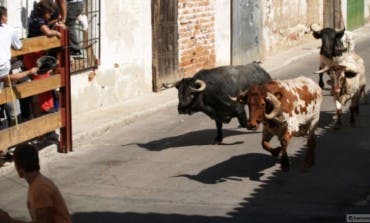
[[8, 39]]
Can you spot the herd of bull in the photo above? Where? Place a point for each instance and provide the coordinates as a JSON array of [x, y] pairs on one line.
[[286, 108]]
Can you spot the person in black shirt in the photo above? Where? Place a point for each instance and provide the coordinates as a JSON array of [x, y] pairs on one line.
[[39, 21]]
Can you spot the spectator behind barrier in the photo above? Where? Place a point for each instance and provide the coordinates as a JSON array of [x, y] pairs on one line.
[[45, 65], [8, 39]]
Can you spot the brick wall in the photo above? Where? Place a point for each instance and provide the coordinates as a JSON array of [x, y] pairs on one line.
[[196, 26]]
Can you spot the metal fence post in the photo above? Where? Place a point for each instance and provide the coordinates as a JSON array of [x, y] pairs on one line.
[[65, 144]]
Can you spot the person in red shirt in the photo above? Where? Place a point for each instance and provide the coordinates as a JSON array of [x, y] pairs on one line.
[[45, 65]]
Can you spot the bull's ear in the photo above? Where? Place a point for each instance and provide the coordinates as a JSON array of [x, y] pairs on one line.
[[278, 95], [317, 35], [350, 74]]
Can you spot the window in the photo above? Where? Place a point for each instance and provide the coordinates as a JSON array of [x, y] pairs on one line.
[[89, 40]]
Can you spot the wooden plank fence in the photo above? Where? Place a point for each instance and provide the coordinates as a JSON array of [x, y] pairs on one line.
[[59, 120]]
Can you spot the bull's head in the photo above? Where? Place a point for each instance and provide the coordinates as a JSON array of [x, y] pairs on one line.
[[331, 43], [338, 76], [188, 88], [261, 104]]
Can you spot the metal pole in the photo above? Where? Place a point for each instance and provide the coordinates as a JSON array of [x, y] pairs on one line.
[[65, 96]]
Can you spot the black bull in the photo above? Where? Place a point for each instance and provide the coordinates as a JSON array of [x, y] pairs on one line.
[[331, 46], [209, 91]]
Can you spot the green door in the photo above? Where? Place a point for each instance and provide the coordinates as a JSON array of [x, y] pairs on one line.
[[355, 14]]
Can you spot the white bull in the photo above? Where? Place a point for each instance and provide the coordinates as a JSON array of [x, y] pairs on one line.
[[348, 83]]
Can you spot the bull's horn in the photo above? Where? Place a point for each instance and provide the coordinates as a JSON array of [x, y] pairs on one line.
[[233, 98], [276, 104], [170, 85], [316, 28], [322, 70], [341, 29], [243, 93], [202, 86]]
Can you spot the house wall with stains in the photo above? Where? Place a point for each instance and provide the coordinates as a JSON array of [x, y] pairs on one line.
[[286, 23], [125, 69], [367, 10], [204, 41]]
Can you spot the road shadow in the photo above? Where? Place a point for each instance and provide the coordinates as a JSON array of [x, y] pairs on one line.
[[237, 167], [325, 194], [194, 138], [330, 190], [129, 217]]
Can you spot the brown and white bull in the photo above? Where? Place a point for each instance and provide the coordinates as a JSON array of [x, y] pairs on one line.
[[348, 84], [286, 108]]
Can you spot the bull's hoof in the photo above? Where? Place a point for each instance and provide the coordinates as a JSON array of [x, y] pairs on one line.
[[217, 142], [352, 123], [242, 126], [337, 125], [307, 164], [321, 84], [285, 166], [306, 167], [357, 111], [312, 143], [275, 152]]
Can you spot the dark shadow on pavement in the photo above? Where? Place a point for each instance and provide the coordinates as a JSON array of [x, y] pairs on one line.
[[129, 217], [195, 138], [247, 165], [325, 194]]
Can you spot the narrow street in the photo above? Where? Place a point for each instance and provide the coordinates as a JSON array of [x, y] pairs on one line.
[[164, 168]]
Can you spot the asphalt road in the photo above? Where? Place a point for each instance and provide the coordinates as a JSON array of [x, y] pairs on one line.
[[163, 168]]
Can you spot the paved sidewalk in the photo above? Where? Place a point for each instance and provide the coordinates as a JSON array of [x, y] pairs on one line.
[[94, 123]]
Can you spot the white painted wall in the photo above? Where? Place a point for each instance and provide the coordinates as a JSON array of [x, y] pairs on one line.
[[286, 23], [223, 32], [126, 57], [344, 11], [18, 12], [126, 53], [367, 9]]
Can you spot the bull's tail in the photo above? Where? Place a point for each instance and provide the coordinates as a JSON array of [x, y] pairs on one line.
[[363, 94]]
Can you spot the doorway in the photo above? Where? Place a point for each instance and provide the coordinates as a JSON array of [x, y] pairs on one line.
[[246, 26], [165, 43]]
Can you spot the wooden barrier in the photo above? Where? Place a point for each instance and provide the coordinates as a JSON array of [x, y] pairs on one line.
[[46, 123]]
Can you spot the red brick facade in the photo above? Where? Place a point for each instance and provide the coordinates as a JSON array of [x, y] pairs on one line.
[[196, 27]]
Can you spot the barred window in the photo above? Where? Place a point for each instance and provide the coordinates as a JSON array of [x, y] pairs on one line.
[[89, 41]]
